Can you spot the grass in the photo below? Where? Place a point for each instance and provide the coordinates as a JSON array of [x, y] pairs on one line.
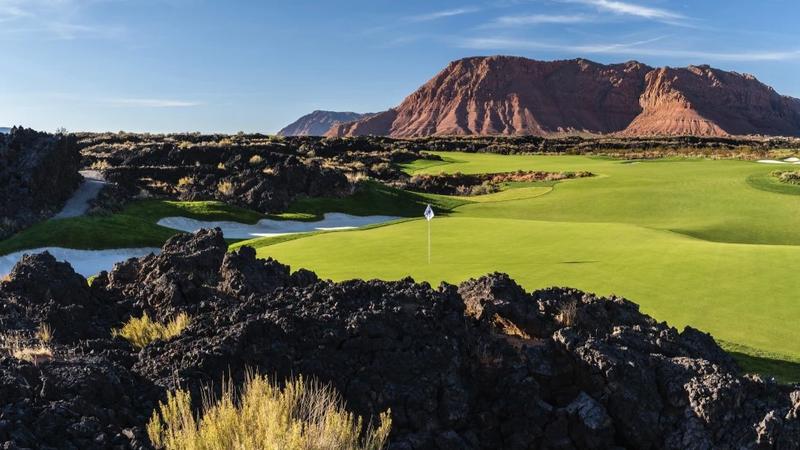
[[374, 199], [135, 226], [751, 360], [695, 242], [300, 416], [708, 243], [34, 353], [142, 331]]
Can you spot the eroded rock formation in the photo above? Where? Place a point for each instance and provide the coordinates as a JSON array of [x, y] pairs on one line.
[[481, 365], [504, 95]]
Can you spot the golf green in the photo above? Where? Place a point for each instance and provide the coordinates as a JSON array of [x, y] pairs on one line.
[[711, 244]]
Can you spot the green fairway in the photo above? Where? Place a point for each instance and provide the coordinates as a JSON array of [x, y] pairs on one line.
[[712, 244]]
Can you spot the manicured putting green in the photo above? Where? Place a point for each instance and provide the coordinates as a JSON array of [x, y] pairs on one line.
[[694, 242]]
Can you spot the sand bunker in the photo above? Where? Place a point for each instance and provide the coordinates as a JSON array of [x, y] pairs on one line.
[[268, 228], [85, 262], [791, 160]]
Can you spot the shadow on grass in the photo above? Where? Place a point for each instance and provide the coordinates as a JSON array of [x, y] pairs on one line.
[[783, 368], [783, 371]]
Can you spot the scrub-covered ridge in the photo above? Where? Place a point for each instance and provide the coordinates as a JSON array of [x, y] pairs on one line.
[[480, 365]]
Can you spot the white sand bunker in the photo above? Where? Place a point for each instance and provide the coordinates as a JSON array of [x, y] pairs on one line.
[[791, 160], [85, 262], [269, 228]]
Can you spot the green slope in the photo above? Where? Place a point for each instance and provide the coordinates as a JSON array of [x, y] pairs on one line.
[[695, 242]]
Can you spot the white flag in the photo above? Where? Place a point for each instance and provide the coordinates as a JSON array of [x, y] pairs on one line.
[[429, 213]]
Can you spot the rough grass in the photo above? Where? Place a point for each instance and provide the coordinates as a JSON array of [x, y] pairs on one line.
[[694, 242], [300, 416], [377, 199], [35, 351], [143, 330], [135, 226]]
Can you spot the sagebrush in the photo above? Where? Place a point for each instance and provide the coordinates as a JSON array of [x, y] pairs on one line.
[[302, 415], [144, 330]]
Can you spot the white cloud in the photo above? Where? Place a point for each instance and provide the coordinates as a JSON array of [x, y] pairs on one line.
[[631, 9], [537, 19], [50, 19], [149, 103], [631, 48], [443, 14]]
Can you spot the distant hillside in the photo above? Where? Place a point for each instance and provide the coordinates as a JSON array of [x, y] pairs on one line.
[[319, 122], [5, 130], [505, 95]]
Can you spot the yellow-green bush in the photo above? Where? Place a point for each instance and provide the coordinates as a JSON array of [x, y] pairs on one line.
[[225, 188], [142, 331], [301, 416]]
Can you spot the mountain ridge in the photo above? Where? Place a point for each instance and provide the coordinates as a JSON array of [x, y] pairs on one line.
[[510, 95], [318, 122]]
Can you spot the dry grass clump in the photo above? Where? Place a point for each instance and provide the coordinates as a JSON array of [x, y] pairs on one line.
[[142, 331], [301, 416], [36, 353], [566, 316], [100, 165], [256, 160], [787, 176], [185, 181], [225, 188]]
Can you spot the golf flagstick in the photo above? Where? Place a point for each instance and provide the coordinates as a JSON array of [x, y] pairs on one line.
[[428, 216]]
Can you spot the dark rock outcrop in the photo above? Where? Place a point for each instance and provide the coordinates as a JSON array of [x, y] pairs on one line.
[[478, 184], [481, 365], [38, 174]]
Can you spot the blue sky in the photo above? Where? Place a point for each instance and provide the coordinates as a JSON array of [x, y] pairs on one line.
[[202, 65]]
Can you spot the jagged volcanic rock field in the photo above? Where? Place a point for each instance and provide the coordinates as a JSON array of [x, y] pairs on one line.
[[480, 365], [38, 173]]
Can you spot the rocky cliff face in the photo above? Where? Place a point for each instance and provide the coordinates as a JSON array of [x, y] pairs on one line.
[[38, 173], [518, 96], [482, 365], [709, 102], [319, 122]]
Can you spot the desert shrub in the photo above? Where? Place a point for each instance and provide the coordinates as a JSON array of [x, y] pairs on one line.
[[185, 181], [225, 188], [44, 333], [787, 176], [301, 416], [256, 160], [142, 331], [100, 165], [35, 351], [381, 169], [566, 315]]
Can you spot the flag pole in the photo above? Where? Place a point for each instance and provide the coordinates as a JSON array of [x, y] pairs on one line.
[[429, 241], [428, 216]]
